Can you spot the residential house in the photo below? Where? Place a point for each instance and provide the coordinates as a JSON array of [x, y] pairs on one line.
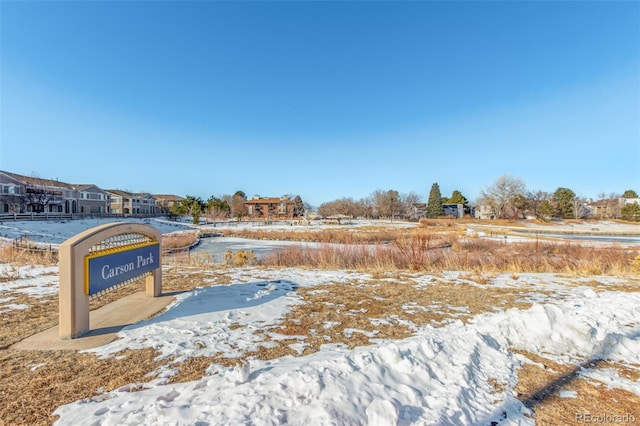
[[609, 208], [93, 199], [164, 202], [34, 194], [270, 207], [29, 194], [12, 193], [128, 203], [455, 210], [484, 211], [419, 211]]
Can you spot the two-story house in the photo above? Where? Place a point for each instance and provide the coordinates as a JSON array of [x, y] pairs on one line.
[[128, 203], [270, 207], [29, 194], [164, 202]]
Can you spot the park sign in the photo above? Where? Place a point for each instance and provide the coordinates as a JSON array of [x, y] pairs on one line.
[[112, 267], [99, 259]]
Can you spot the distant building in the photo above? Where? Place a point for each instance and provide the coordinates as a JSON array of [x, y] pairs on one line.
[[455, 210], [270, 207], [127, 203], [29, 194], [608, 209], [484, 211], [164, 202], [419, 211], [93, 199]]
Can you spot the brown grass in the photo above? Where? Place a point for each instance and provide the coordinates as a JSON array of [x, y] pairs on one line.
[[539, 389], [178, 240], [434, 253], [372, 235], [354, 305], [30, 397], [30, 394], [20, 257]]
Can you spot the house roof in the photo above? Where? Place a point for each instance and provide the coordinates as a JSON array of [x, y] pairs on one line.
[[119, 192], [32, 180], [600, 203], [83, 187], [168, 197], [266, 200], [129, 194]]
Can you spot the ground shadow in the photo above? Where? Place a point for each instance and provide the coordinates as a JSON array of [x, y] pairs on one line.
[[548, 390], [222, 298]]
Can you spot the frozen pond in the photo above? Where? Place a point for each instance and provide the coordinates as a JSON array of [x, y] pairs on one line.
[[217, 246], [596, 238]]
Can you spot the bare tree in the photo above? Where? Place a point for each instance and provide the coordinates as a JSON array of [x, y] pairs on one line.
[[237, 204], [386, 203], [345, 206], [579, 207], [38, 194], [502, 194], [15, 202], [408, 201]]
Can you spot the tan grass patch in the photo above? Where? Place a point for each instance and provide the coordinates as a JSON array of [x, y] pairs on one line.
[[178, 240], [21, 257], [539, 389], [629, 286], [30, 394], [380, 309], [191, 369], [430, 253], [30, 397], [19, 324]]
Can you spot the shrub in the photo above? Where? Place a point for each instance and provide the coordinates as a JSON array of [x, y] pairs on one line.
[[240, 258]]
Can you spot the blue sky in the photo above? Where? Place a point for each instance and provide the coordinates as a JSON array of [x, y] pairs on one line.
[[322, 99]]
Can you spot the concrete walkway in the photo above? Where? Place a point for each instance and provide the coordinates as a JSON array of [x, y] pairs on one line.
[[104, 322]]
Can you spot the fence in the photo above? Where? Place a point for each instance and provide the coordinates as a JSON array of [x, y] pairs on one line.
[[68, 216], [23, 243]]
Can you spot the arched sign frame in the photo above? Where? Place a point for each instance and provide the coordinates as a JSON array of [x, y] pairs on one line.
[[102, 257]]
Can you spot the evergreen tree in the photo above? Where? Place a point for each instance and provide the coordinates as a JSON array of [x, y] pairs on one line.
[[545, 210], [217, 207], [630, 193], [458, 198], [193, 206], [434, 206], [563, 200], [298, 207], [631, 212]]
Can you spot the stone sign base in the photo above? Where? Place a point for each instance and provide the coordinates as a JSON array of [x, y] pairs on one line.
[[105, 324]]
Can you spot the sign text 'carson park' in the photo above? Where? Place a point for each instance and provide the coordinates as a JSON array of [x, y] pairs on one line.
[[112, 268]]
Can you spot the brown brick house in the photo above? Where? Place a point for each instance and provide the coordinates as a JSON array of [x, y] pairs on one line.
[[270, 207]]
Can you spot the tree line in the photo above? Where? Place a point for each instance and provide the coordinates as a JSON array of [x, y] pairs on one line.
[[509, 198], [506, 198], [223, 208]]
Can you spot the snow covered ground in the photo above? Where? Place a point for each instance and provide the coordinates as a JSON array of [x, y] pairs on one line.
[[58, 231], [440, 375]]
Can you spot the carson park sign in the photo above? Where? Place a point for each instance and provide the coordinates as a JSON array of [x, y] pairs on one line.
[[109, 269], [97, 260]]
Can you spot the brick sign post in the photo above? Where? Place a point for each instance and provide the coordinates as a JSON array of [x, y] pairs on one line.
[[96, 260]]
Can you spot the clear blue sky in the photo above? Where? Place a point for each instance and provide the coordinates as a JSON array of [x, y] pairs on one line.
[[322, 99]]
